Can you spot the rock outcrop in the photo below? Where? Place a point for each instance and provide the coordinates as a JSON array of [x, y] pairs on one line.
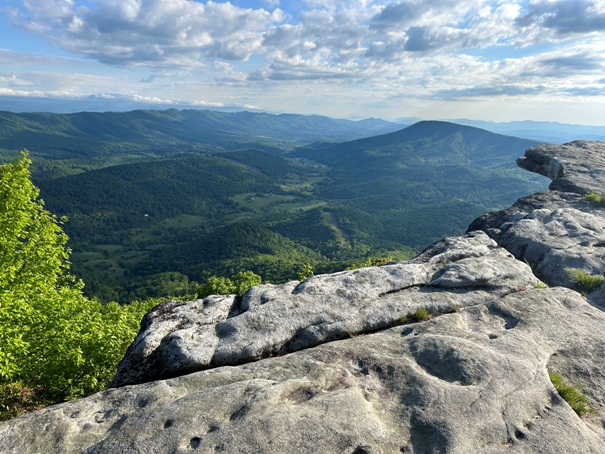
[[178, 338], [561, 229], [350, 362]]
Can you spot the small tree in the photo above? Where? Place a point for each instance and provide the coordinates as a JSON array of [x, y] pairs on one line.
[[306, 271], [244, 281], [215, 285], [54, 343]]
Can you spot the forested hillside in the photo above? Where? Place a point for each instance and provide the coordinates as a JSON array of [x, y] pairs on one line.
[[103, 202], [158, 202], [70, 143], [427, 172]]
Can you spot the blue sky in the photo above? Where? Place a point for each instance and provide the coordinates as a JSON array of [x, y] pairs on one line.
[[491, 60]]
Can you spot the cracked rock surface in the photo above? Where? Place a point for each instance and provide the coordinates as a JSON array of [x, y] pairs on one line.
[[560, 229], [331, 365], [473, 381], [177, 338]]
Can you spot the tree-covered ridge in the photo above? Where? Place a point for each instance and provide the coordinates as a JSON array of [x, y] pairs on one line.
[[133, 226], [428, 171], [104, 202], [230, 249], [90, 140]]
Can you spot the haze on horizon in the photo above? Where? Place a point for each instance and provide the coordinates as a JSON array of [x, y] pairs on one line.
[[507, 60]]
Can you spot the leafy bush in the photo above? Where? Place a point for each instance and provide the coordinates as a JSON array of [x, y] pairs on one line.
[[237, 285], [571, 394], [54, 343], [306, 271], [584, 282]]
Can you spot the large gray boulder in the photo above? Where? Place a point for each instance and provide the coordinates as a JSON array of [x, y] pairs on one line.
[[577, 167], [178, 338], [472, 381]]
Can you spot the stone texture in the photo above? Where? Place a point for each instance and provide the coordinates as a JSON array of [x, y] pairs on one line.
[[577, 167], [272, 320], [474, 381], [560, 229]]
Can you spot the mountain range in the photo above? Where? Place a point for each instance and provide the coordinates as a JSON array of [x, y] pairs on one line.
[[167, 196]]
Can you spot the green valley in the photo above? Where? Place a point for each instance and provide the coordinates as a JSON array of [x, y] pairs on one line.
[[158, 202]]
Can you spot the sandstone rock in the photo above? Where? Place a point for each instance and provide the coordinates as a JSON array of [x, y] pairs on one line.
[[560, 229], [474, 381], [577, 167], [273, 320]]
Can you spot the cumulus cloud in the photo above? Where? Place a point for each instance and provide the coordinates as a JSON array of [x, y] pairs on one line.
[[574, 63], [318, 33], [176, 32], [566, 17], [431, 48]]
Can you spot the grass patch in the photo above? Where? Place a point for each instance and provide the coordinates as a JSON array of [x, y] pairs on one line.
[[584, 282], [453, 309], [595, 198], [571, 394], [420, 315]]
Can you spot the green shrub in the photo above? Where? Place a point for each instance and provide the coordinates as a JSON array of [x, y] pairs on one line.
[[571, 394], [244, 281], [237, 285], [584, 282], [306, 271], [55, 344]]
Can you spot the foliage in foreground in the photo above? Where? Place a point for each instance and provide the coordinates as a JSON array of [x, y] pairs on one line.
[[236, 285], [571, 394], [55, 344]]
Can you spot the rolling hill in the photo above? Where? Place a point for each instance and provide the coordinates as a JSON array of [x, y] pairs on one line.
[[270, 209], [64, 143]]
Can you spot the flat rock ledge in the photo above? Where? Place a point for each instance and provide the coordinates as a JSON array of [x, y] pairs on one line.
[[333, 364]]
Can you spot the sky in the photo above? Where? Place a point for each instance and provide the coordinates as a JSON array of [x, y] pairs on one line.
[[541, 60]]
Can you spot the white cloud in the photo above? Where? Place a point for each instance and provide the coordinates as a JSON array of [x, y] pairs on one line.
[[564, 17], [8, 57], [330, 35], [63, 82], [134, 32], [367, 50]]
